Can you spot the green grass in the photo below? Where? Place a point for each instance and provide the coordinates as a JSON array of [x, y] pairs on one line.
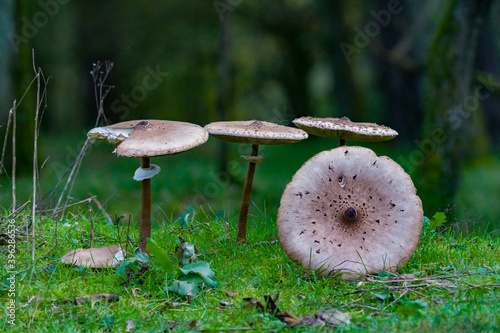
[[461, 267], [460, 294]]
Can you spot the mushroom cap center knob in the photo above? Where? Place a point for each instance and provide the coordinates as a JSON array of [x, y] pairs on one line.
[[350, 214]]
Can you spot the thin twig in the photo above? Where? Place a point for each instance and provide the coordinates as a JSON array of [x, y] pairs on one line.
[[387, 287], [9, 120], [54, 210], [366, 307], [74, 171], [19, 209], [14, 111], [101, 207], [128, 234], [35, 162], [434, 277], [118, 232], [233, 329], [91, 228]]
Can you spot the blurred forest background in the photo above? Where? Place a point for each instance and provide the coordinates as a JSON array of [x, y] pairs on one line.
[[429, 69]]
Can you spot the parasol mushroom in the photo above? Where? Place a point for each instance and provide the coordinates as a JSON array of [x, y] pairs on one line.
[[102, 257], [344, 129], [146, 139], [347, 210], [254, 132]]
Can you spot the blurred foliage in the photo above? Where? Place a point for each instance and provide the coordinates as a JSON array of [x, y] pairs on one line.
[[366, 59]]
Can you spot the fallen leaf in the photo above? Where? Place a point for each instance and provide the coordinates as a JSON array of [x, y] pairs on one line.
[[130, 325], [329, 317], [231, 293], [253, 303], [226, 302], [96, 297], [288, 318], [192, 325]]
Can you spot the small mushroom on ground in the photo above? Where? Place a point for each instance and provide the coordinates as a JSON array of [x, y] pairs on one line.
[[254, 132], [102, 257], [344, 129], [146, 139], [347, 210]]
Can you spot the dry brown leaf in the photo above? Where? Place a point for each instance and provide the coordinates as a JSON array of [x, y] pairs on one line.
[[231, 293], [96, 297], [130, 325]]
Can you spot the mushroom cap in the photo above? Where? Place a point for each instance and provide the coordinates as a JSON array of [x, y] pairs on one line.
[[255, 132], [149, 138], [344, 128], [348, 210], [102, 257]]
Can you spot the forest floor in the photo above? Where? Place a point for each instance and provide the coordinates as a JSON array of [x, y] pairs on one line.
[[451, 283]]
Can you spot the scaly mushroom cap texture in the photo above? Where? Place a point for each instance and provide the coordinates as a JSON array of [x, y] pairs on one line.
[[149, 138], [102, 257], [344, 128], [255, 132], [347, 210]]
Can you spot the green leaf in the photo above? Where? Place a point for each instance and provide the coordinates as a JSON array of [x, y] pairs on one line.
[[383, 296], [412, 308], [187, 286], [162, 256], [140, 256], [438, 220], [202, 269]]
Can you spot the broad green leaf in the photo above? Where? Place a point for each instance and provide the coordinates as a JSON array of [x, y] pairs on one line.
[[412, 308], [187, 286], [438, 220], [203, 269], [162, 256]]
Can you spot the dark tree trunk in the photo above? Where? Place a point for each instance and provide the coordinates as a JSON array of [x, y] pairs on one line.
[[7, 27], [295, 73], [450, 100], [346, 94], [488, 63], [23, 74], [399, 75]]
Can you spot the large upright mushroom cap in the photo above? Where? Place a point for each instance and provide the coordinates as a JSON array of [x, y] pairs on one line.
[[255, 132], [343, 128], [348, 210], [149, 138]]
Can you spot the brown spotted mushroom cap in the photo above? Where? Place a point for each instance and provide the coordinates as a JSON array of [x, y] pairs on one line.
[[149, 138], [344, 128], [350, 211], [108, 256], [255, 132]]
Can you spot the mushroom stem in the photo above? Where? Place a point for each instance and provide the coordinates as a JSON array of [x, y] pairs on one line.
[[341, 142], [245, 200], [145, 227]]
